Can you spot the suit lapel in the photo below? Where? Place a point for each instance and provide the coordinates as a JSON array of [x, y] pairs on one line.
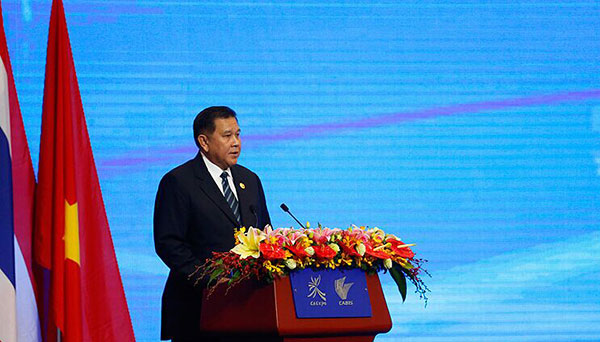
[[208, 186]]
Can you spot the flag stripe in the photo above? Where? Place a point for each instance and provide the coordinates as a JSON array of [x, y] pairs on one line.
[[8, 311], [8, 323], [4, 107], [28, 327], [7, 263]]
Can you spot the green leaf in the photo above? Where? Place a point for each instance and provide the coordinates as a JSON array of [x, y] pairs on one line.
[[398, 276], [236, 275], [214, 275]]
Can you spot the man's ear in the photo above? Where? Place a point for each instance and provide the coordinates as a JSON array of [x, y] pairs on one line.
[[203, 141]]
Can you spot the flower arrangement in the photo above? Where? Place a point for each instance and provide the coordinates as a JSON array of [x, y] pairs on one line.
[[273, 253]]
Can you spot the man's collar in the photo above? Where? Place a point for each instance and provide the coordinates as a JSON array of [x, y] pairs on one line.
[[213, 169]]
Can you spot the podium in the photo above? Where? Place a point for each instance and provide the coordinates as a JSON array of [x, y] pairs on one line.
[[260, 312]]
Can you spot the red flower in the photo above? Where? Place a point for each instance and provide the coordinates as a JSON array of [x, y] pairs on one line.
[[271, 251], [349, 249], [324, 252], [403, 252], [298, 250], [380, 254]]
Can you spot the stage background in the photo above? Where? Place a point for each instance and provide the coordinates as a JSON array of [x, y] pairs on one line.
[[470, 128]]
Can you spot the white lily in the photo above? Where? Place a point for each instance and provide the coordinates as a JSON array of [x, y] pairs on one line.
[[249, 242]]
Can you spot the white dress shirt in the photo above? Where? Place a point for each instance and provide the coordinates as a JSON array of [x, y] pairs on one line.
[[216, 172]]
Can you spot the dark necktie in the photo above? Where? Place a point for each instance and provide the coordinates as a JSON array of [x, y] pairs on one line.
[[230, 198]]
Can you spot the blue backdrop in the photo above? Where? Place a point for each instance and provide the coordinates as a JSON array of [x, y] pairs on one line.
[[471, 128]]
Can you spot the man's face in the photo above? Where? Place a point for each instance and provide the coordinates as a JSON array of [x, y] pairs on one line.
[[224, 145]]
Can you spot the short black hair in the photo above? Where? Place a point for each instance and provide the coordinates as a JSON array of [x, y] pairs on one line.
[[204, 123]]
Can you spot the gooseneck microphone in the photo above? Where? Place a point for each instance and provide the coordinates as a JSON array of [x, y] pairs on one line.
[[253, 211], [287, 210]]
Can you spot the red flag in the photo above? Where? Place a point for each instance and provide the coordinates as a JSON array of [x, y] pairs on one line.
[[73, 241]]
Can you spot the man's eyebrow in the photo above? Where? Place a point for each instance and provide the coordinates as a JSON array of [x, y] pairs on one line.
[[229, 130]]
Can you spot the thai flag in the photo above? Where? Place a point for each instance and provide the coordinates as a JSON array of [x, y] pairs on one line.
[[19, 319], [8, 284]]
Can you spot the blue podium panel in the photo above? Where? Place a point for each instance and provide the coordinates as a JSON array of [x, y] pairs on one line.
[[330, 293]]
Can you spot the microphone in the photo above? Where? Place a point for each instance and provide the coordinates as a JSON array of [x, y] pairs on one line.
[[253, 211], [287, 210]]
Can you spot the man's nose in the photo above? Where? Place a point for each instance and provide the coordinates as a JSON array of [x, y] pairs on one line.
[[236, 141]]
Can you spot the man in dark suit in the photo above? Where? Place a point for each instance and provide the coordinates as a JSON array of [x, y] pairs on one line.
[[198, 206]]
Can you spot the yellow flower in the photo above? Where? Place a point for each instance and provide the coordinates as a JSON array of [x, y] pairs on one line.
[[347, 262], [303, 263], [249, 242], [237, 233], [273, 268]]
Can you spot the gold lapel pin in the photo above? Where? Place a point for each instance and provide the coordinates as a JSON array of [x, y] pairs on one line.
[[242, 185]]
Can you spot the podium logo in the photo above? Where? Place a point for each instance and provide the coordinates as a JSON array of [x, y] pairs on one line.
[[314, 291], [342, 289]]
